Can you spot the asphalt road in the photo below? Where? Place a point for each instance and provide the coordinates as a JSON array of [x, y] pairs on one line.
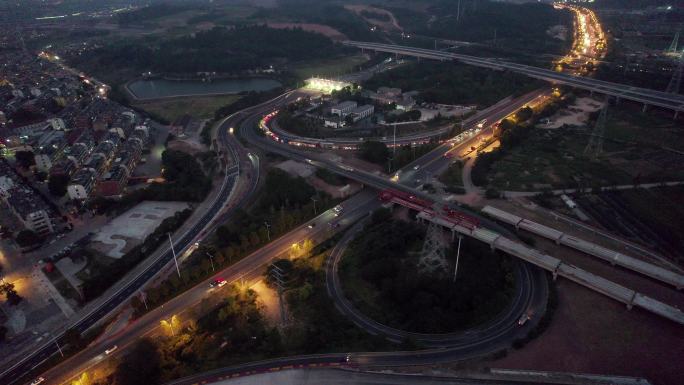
[[317, 376]]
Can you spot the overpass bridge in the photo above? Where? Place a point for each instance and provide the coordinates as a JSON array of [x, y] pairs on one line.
[[464, 224], [646, 96]]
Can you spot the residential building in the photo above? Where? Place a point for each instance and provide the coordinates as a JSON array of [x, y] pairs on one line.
[[82, 183]]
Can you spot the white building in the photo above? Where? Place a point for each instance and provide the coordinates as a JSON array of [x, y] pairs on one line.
[[343, 109], [57, 124], [43, 162], [82, 184], [361, 112], [6, 184]]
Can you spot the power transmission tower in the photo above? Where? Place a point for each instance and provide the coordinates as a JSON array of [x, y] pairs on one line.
[[278, 276], [433, 257], [674, 44], [676, 80], [595, 145]]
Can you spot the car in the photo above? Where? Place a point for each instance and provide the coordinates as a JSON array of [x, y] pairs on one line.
[[525, 317], [111, 350], [482, 123], [416, 167], [309, 161], [218, 282], [338, 209], [38, 380], [348, 358], [312, 225], [334, 225]]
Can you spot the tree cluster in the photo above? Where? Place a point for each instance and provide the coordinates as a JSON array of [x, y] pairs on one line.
[[453, 83], [384, 258], [224, 50]]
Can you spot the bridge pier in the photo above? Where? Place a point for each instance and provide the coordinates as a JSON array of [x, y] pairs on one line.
[[643, 110], [676, 114]]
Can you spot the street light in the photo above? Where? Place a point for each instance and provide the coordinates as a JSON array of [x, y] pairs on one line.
[[211, 259], [268, 231]]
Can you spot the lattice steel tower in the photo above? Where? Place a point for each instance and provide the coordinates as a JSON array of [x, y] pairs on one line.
[[595, 145], [433, 256]]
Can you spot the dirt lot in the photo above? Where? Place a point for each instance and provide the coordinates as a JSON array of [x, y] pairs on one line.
[[316, 28], [591, 333], [391, 25]]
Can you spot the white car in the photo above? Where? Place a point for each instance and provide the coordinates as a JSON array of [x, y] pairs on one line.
[[111, 350], [38, 380]]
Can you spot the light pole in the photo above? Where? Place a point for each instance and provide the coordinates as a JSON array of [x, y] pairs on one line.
[[394, 142], [458, 254], [174, 254], [314, 202], [58, 347], [144, 299], [268, 231], [211, 259]]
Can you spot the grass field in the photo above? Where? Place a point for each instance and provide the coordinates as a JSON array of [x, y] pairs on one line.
[[637, 149], [328, 68], [197, 107]]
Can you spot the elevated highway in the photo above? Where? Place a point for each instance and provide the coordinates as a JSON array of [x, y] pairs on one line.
[[616, 258], [646, 96]]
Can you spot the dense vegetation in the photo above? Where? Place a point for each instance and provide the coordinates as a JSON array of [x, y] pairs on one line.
[[154, 11], [380, 275], [452, 83], [223, 50], [321, 12], [505, 25]]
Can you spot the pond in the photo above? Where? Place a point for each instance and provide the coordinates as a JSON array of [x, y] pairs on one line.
[[163, 88]]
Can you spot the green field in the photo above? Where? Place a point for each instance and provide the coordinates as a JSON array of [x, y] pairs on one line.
[[197, 107], [638, 148], [328, 67]]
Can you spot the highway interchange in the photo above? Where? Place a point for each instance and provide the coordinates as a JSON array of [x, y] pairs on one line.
[[532, 288], [250, 266]]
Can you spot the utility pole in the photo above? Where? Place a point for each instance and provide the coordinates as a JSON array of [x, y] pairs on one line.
[[211, 259], [174, 254], [458, 254], [268, 231], [458, 11], [314, 202], [144, 299]]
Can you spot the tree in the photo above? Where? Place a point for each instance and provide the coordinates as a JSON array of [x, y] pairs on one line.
[[12, 296], [27, 238], [372, 151], [141, 366], [73, 338], [57, 184], [25, 159]]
